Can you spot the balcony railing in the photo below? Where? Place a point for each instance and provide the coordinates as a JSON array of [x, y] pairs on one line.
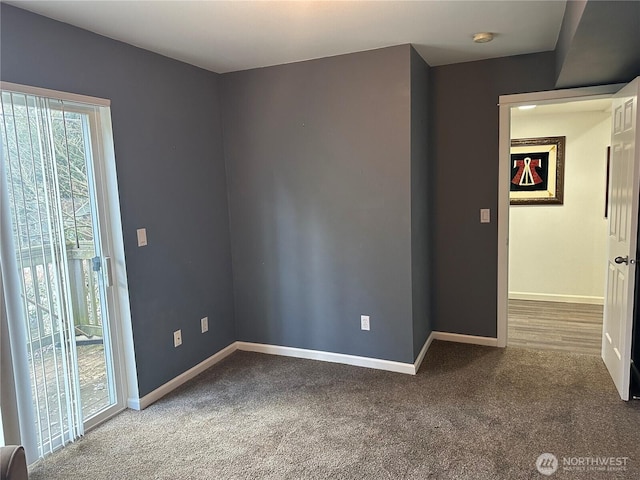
[[41, 294]]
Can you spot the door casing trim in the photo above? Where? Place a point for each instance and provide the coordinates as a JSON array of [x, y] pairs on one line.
[[505, 105]]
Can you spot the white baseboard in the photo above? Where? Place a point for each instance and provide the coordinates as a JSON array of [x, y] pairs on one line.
[[553, 297], [133, 403], [367, 362], [354, 360], [459, 338], [423, 352], [158, 393]]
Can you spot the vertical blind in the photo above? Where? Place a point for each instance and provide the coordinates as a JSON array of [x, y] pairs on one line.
[[38, 143]]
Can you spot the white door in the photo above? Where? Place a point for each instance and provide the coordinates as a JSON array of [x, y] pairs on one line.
[[624, 188]]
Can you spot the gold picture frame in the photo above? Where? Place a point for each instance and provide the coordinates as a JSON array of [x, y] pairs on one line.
[[537, 171]]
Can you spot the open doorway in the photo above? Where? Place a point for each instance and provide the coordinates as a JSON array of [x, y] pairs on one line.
[[557, 251], [624, 169]]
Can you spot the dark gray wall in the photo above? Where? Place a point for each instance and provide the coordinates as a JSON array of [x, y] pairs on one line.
[[318, 163], [466, 130], [605, 47], [340, 202], [171, 178], [570, 22], [421, 191]]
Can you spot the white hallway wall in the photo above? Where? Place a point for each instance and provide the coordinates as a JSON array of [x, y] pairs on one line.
[[558, 252]]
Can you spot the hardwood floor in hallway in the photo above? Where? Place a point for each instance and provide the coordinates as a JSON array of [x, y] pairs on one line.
[[570, 327]]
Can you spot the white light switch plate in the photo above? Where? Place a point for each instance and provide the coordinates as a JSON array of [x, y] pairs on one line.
[[364, 322], [485, 215], [142, 237]]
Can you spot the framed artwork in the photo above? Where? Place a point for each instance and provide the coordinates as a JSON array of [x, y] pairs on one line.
[[537, 171]]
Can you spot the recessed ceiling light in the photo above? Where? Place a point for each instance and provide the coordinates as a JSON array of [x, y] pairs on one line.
[[526, 107], [483, 37]]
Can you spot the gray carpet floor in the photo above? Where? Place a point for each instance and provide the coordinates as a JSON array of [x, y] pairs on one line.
[[471, 412]]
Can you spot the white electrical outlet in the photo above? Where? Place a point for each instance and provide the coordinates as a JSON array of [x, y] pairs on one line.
[[204, 324], [364, 322], [177, 338]]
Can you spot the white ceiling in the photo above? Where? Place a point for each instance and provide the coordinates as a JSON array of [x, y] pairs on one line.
[[224, 36]]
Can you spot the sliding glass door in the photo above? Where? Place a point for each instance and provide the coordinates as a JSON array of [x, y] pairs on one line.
[[50, 155]]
